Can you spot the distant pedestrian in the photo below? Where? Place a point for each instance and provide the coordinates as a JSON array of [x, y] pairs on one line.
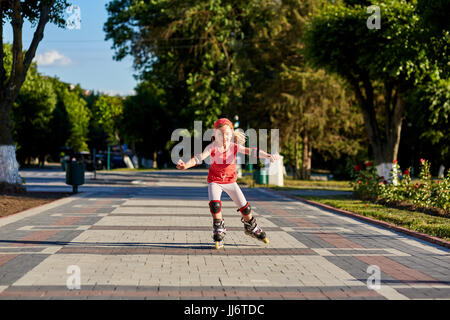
[[222, 177]]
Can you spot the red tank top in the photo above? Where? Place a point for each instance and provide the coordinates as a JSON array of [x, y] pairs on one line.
[[223, 165]]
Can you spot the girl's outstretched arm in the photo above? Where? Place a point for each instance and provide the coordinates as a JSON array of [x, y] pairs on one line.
[[262, 154], [195, 160], [265, 155]]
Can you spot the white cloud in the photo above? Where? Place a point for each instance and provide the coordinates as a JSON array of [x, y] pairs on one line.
[[52, 58]]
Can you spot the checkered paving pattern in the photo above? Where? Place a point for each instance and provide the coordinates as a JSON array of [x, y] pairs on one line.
[[155, 242]]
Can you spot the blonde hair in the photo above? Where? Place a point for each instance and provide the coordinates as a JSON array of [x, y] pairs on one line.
[[239, 136]]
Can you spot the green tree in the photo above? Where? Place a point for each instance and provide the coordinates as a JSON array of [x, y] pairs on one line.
[[59, 124], [222, 57], [98, 138], [428, 125], [11, 79], [75, 116], [146, 119], [32, 115], [311, 108], [190, 47], [108, 112], [434, 15], [381, 65], [317, 112], [78, 115]]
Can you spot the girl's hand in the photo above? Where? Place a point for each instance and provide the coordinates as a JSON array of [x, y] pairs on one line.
[[181, 165], [273, 157]]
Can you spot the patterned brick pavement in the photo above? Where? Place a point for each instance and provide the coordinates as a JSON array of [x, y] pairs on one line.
[[154, 242]]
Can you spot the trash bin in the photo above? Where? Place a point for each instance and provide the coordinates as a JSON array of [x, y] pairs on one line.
[[260, 176], [63, 164], [75, 174]]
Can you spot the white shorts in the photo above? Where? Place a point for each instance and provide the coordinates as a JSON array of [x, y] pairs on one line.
[[232, 189]]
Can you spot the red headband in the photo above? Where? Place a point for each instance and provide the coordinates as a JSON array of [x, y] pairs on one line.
[[223, 121]]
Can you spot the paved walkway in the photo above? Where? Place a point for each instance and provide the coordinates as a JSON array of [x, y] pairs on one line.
[[148, 236]]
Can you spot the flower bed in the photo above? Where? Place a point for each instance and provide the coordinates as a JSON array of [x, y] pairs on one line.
[[426, 195]]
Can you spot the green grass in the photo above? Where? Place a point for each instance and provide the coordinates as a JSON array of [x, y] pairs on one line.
[[292, 184], [412, 220], [324, 185]]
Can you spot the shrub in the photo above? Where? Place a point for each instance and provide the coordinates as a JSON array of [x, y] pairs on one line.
[[441, 193], [424, 193], [366, 181]]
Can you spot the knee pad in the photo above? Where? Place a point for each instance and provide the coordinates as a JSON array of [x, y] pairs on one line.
[[246, 210], [215, 206]]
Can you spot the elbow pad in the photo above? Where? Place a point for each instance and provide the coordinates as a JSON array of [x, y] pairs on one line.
[[197, 158]]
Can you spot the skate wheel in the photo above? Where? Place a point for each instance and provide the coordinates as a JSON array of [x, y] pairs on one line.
[[219, 244], [266, 241]]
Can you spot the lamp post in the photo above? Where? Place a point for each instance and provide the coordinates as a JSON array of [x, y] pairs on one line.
[[109, 159]]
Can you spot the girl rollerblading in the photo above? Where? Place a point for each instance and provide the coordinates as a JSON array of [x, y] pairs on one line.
[[222, 177]]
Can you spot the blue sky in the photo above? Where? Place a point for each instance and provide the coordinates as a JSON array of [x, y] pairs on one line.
[[81, 56]]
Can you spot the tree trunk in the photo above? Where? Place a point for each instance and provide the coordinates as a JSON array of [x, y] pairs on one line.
[[385, 149], [309, 167], [5, 120], [306, 158], [388, 148], [297, 160], [10, 180]]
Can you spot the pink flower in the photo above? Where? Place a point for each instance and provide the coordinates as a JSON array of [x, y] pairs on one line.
[[395, 161], [422, 160], [357, 168], [368, 164], [406, 172]]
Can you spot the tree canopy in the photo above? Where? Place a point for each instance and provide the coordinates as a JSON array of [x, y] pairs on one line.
[[311, 68], [382, 65]]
